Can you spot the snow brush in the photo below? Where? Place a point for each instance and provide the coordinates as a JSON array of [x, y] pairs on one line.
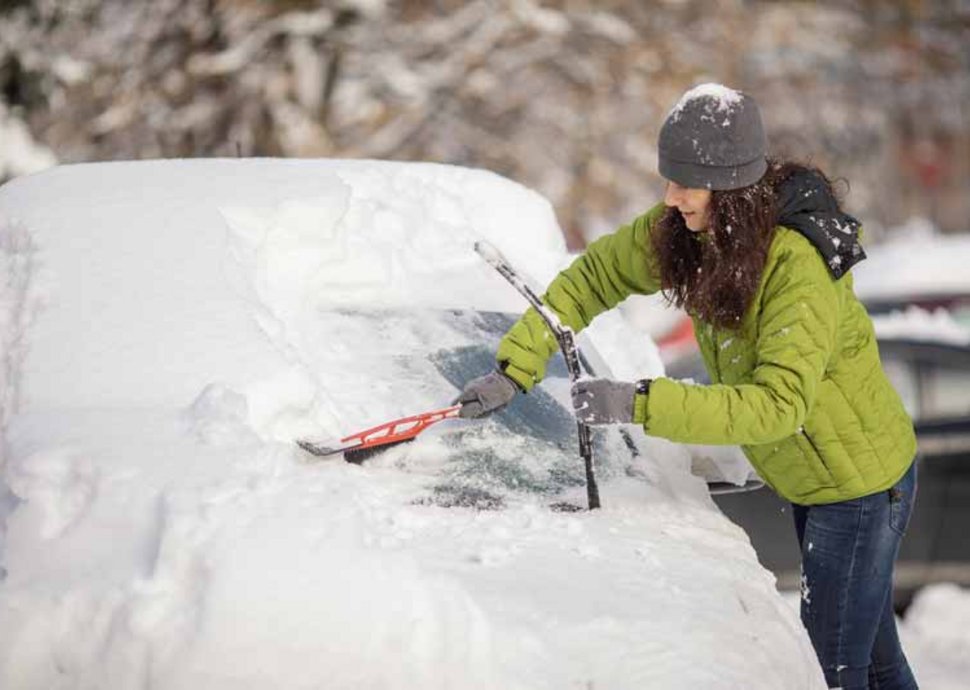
[[567, 343], [359, 446]]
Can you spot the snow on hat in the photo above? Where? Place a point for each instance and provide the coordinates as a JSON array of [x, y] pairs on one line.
[[713, 139]]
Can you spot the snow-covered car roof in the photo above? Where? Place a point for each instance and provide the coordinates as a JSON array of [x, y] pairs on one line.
[[917, 287], [170, 327], [914, 265], [914, 323]]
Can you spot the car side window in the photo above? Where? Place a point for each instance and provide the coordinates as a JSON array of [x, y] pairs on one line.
[[904, 378], [945, 392]]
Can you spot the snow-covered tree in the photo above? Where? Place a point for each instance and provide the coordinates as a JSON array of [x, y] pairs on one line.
[[564, 95]]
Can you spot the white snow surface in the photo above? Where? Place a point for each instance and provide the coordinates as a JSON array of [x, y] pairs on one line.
[[169, 327], [935, 636], [915, 323], [723, 98], [20, 154], [915, 262]]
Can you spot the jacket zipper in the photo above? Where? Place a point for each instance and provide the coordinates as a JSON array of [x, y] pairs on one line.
[[812, 444], [821, 460]]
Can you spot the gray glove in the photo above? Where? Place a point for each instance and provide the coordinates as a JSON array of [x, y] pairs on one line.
[[602, 401], [486, 394]]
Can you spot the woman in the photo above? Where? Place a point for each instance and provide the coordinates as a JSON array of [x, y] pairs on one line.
[[758, 253]]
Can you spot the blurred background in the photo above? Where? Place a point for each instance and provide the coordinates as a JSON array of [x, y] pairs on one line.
[[565, 96]]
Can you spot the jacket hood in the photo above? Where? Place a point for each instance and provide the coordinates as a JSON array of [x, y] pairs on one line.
[[806, 204]]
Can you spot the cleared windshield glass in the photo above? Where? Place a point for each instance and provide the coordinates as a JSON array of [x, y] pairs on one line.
[[528, 448]]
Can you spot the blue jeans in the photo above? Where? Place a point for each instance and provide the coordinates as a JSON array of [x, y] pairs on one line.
[[848, 552]]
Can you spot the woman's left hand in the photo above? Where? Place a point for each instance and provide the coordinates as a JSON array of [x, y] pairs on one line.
[[602, 401]]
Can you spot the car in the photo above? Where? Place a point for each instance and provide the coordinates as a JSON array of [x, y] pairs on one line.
[[170, 329]]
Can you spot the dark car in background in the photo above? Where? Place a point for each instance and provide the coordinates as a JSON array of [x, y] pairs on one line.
[[931, 372]]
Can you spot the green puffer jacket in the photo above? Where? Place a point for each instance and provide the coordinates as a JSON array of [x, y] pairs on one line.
[[799, 386]]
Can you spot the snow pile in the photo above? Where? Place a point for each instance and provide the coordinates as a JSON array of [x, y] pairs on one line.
[[919, 324], [19, 301], [221, 276], [935, 636], [722, 99], [915, 262], [178, 323], [20, 154]]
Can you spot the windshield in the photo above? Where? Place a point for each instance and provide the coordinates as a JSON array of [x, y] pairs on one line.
[[422, 359]]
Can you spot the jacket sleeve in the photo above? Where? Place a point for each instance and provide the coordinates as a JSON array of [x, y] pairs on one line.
[[610, 270], [796, 336]]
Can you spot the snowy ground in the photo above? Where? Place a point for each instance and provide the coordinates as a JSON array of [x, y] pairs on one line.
[[936, 638], [167, 329]]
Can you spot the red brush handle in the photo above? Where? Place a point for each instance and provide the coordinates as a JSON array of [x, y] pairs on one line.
[[399, 429]]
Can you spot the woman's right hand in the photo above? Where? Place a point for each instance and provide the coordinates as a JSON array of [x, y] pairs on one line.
[[486, 394]]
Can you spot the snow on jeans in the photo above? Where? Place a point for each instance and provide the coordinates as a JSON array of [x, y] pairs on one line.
[[848, 552]]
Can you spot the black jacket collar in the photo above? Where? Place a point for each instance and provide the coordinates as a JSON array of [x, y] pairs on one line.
[[806, 204]]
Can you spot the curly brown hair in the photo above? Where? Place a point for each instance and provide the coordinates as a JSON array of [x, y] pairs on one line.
[[714, 274]]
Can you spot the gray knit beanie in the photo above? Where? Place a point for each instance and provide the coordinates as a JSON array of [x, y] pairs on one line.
[[713, 139]]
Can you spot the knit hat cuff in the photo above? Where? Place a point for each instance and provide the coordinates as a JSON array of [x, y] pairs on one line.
[[695, 176]]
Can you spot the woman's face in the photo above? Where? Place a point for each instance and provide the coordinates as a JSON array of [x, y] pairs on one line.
[[693, 204]]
